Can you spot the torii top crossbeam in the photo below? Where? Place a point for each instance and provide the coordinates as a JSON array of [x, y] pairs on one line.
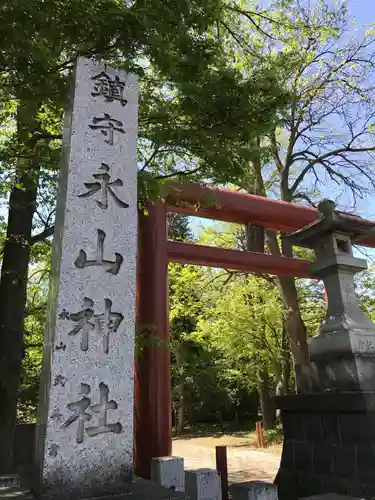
[[242, 208]]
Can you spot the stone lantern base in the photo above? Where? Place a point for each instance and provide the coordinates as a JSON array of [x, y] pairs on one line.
[[329, 445]]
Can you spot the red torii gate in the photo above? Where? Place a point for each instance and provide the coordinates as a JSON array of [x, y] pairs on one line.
[[153, 426]]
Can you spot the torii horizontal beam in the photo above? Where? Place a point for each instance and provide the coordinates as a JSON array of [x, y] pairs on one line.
[[241, 208], [185, 253]]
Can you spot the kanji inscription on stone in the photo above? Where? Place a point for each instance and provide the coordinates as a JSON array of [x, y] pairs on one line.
[[79, 413], [103, 324], [89, 337], [53, 450], [82, 412], [107, 323], [59, 380], [107, 126], [102, 409], [60, 347], [110, 88], [56, 415], [111, 267], [105, 187], [366, 346]]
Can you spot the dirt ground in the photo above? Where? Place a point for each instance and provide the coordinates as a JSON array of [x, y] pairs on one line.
[[244, 462]]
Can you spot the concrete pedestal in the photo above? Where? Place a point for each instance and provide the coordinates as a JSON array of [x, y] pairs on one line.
[[329, 445]]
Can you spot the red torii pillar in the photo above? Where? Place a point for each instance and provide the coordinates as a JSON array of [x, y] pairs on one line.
[[153, 425]]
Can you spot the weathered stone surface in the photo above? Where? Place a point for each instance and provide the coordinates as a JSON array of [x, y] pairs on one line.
[[85, 420], [254, 490], [331, 449], [203, 484], [169, 472]]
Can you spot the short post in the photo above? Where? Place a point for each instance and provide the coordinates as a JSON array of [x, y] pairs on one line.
[[168, 472], [202, 484], [261, 435], [222, 469]]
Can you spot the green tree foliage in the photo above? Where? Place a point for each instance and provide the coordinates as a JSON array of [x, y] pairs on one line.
[[199, 369], [246, 326], [178, 228], [207, 384]]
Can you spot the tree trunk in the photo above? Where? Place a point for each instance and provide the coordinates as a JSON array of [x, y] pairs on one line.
[[14, 274], [293, 321], [266, 404], [181, 411], [285, 361], [179, 358]]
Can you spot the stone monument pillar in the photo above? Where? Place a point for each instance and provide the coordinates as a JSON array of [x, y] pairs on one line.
[[85, 420], [329, 427]]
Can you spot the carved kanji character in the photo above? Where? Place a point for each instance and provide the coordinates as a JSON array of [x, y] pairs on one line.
[[107, 125], [84, 325], [105, 187], [111, 267], [111, 89], [107, 323], [79, 412], [102, 408]]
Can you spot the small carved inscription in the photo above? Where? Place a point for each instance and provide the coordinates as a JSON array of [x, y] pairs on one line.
[[61, 346], [107, 126], [104, 324], [53, 450], [111, 267], [56, 414], [79, 413], [59, 380], [104, 186], [64, 314], [366, 346], [110, 89]]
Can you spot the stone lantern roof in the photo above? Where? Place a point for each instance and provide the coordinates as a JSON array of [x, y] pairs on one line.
[[331, 236], [330, 222]]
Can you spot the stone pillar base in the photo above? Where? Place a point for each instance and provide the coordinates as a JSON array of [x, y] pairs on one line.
[[329, 445]]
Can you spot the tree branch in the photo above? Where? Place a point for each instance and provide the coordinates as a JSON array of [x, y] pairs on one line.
[[176, 174], [46, 233]]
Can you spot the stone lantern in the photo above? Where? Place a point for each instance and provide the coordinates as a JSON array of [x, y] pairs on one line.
[[343, 351], [329, 425]]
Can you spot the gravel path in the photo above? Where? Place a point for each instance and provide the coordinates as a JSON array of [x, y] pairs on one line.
[[244, 464]]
